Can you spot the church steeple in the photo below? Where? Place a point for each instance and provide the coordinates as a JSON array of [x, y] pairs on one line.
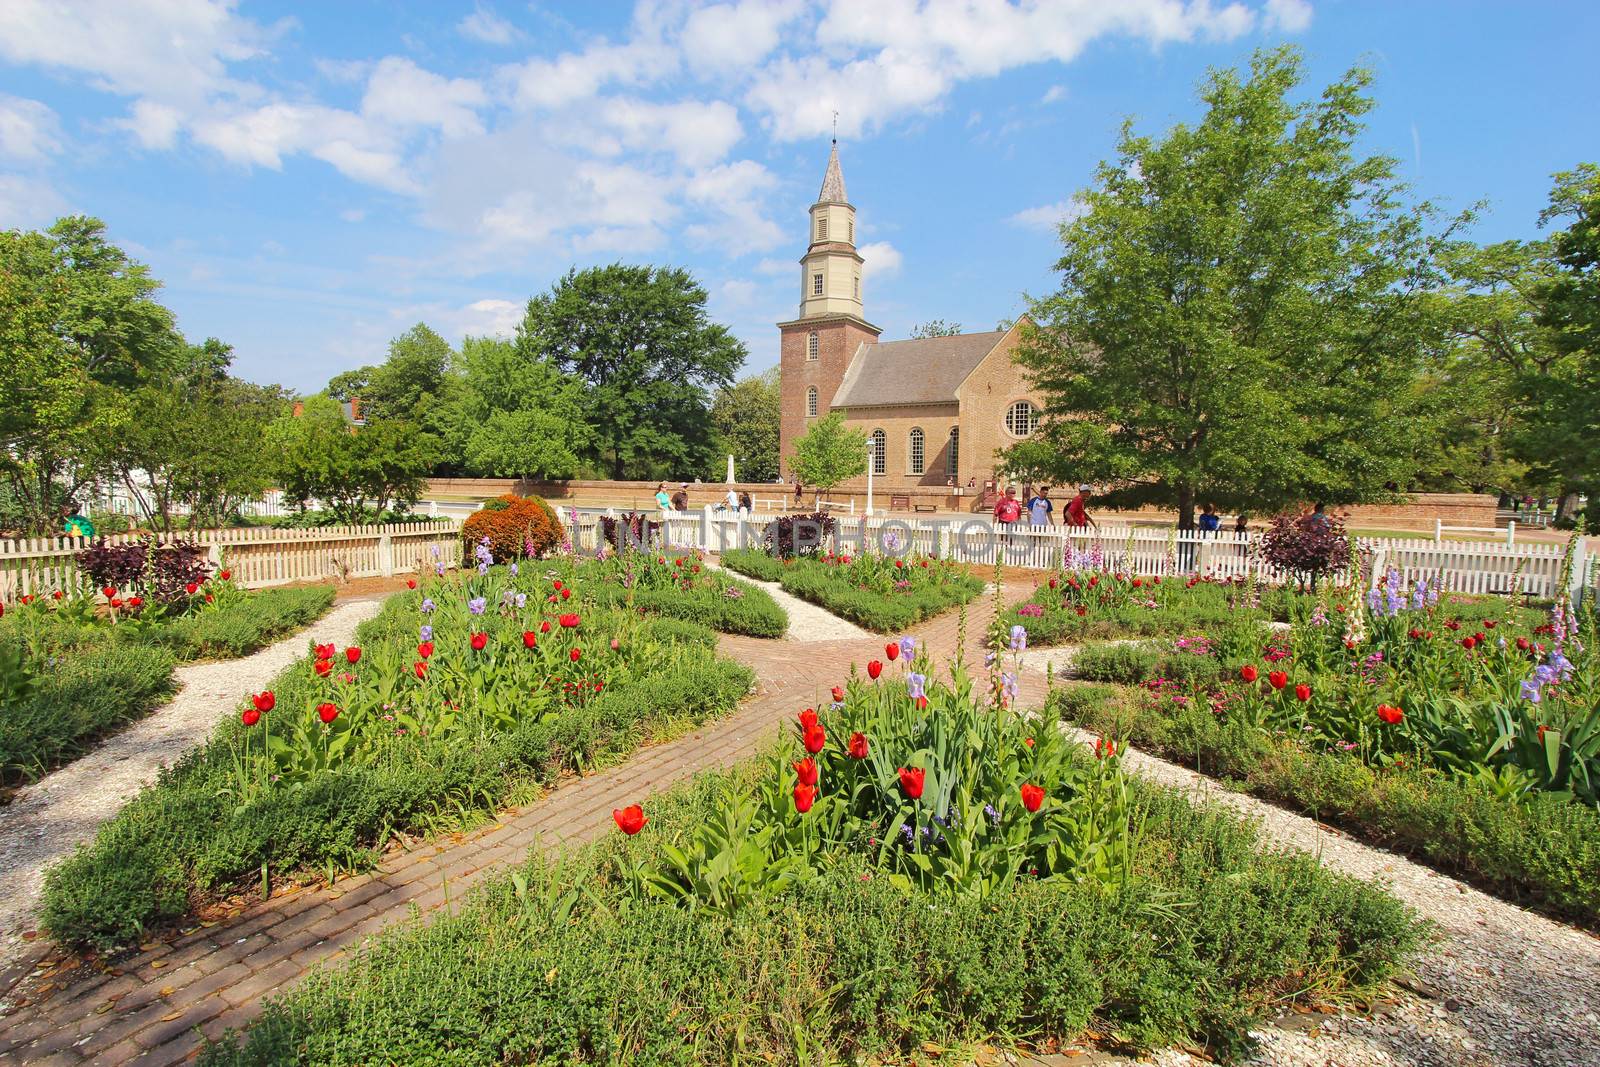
[[830, 278]]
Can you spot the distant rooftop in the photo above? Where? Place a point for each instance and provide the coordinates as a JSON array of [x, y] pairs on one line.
[[922, 370]]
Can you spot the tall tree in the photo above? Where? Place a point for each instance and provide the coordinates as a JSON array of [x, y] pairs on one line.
[[639, 339], [1563, 438], [1238, 319], [745, 416], [829, 453], [352, 474], [80, 330], [402, 386], [506, 415]]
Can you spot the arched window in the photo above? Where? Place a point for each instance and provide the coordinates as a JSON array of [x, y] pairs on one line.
[[1021, 419], [878, 445], [915, 450], [953, 458], [811, 402], [813, 345]]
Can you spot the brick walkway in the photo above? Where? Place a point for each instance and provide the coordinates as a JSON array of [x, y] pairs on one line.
[[154, 1007]]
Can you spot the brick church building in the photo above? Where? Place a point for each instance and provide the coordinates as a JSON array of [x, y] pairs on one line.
[[935, 410]]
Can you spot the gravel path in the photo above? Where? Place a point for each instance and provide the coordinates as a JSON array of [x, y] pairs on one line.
[[50, 818], [1500, 985], [807, 622]]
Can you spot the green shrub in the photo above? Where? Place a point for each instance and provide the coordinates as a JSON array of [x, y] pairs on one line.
[[241, 626], [831, 587], [88, 694], [754, 563], [1132, 663], [556, 964], [751, 612], [1539, 849]]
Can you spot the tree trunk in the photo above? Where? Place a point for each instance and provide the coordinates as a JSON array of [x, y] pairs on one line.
[[1566, 504], [1185, 506]]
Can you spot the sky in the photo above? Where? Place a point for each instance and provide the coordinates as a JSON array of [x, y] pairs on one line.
[[309, 180]]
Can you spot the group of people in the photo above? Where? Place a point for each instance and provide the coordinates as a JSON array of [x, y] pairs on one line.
[[679, 501], [1040, 509]]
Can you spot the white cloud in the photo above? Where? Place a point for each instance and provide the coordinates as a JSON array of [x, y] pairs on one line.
[[26, 203], [484, 25], [775, 267], [153, 125], [29, 131], [1290, 16], [401, 94], [487, 318], [353, 214], [1050, 216], [726, 37], [881, 259], [698, 133], [579, 75], [728, 202], [1054, 93], [263, 136]]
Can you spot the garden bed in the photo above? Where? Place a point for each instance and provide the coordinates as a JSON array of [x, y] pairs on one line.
[[75, 675], [679, 585], [881, 593], [876, 914], [520, 680]]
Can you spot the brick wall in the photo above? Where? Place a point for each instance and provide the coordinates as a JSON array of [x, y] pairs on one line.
[[986, 395], [837, 341]]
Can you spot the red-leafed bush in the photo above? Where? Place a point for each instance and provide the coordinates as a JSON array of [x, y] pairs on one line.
[[1307, 547], [516, 526]]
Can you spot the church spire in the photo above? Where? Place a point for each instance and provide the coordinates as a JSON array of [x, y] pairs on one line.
[[833, 180]]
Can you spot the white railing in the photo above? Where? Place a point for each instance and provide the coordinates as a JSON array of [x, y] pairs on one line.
[[1462, 566], [257, 556]]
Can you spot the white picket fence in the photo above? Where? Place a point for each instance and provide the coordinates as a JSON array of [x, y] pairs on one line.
[[257, 556], [1465, 567]]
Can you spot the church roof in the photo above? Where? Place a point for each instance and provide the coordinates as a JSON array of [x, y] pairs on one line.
[[833, 181], [923, 370]]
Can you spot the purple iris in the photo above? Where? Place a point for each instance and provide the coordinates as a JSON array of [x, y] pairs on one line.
[[477, 605], [908, 646], [1019, 639], [914, 684], [427, 605], [425, 634]]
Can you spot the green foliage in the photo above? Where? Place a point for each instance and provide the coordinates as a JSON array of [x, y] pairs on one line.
[[510, 414], [829, 452], [553, 963], [745, 418], [725, 604], [753, 563], [850, 591], [214, 820], [318, 457], [640, 342], [1239, 318], [80, 332], [936, 328], [243, 625], [1541, 849], [1068, 609]]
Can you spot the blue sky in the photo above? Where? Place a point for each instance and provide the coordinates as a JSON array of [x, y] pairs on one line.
[[310, 180]]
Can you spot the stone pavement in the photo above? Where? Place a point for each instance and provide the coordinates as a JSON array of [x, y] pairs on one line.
[[156, 1006]]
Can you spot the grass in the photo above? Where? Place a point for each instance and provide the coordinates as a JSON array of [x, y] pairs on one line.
[[1540, 849], [100, 678], [188, 836], [830, 586], [558, 963]]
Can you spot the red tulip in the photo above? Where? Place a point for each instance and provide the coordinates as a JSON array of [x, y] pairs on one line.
[[420, 668], [1082, 611], [630, 820], [838, 695], [135, 602], [224, 575], [57, 595], [1390, 714], [250, 717], [1415, 633], [353, 655], [544, 627], [264, 701], [899, 563], [322, 667], [1523, 644], [1137, 582], [1469, 643], [1302, 692], [1052, 583], [569, 620], [116, 601], [192, 588], [555, 583], [858, 745], [1278, 679], [814, 737], [1491, 623], [425, 649], [911, 781], [411, 583], [1032, 797], [327, 712], [922, 703], [808, 718], [575, 655], [1249, 673], [109, 592], [209, 598], [874, 668], [806, 771], [804, 797], [892, 650], [566, 594], [1028, 741], [1104, 748], [1481, 637], [325, 651], [478, 641]]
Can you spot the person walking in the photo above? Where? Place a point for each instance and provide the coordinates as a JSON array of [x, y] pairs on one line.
[[1210, 521], [663, 501], [1078, 510], [746, 505], [1040, 508], [680, 499], [1007, 510], [75, 523], [731, 501]]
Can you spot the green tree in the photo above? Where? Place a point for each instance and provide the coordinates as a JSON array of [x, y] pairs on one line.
[[80, 330], [352, 474], [639, 339], [745, 416], [936, 328], [829, 453], [1562, 438], [402, 386], [1238, 319], [502, 414]]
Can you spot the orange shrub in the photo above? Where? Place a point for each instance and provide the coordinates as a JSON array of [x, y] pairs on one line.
[[514, 525]]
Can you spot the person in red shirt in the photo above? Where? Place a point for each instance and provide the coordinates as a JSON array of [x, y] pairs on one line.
[[1077, 510], [1007, 510]]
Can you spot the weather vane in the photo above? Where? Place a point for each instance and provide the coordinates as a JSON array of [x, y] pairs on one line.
[[836, 126]]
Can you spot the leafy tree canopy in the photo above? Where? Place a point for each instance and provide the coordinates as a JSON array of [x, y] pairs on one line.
[[936, 328], [745, 418], [639, 340], [1238, 319], [829, 453]]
